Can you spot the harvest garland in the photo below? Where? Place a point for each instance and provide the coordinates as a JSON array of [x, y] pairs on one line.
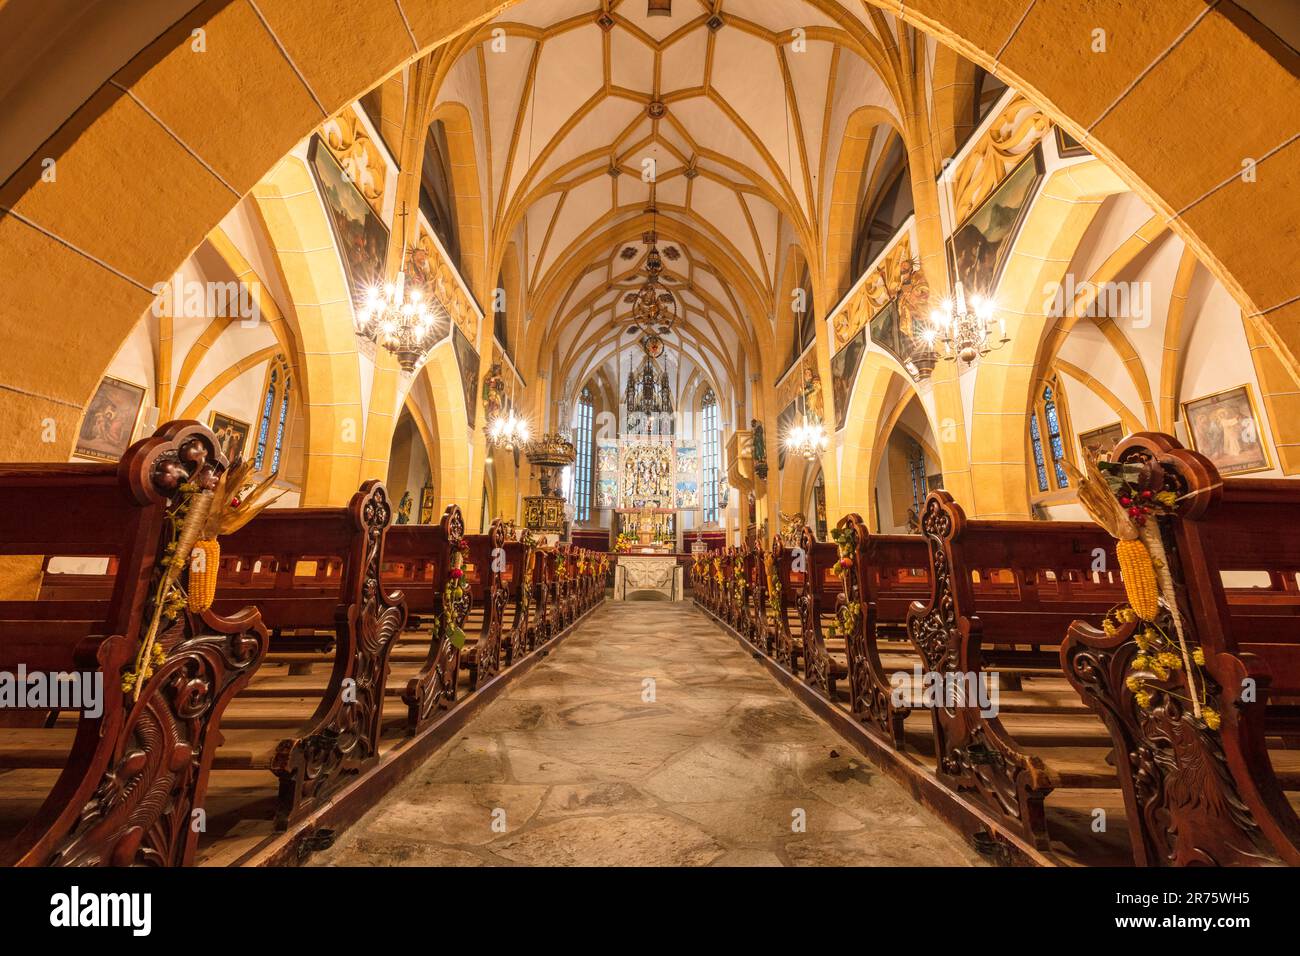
[[200, 517], [1124, 497], [846, 540], [453, 593]]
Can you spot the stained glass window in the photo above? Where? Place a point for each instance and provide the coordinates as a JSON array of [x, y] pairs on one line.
[[709, 416], [1036, 440], [1054, 436], [1049, 435], [264, 426], [582, 464], [279, 428]]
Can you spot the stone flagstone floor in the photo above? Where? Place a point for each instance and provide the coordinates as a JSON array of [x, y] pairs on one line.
[[648, 738]]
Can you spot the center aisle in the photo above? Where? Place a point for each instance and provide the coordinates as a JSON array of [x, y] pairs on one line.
[[648, 738]]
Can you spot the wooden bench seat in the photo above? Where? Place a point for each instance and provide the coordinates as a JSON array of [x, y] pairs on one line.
[[1199, 793], [113, 518]]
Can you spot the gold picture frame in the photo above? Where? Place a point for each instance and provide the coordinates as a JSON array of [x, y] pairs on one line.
[[1226, 428], [104, 434], [1102, 439], [231, 434]]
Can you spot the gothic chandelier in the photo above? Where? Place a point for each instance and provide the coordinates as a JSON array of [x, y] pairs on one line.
[[508, 431], [399, 319], [966, 330], [808, 439]]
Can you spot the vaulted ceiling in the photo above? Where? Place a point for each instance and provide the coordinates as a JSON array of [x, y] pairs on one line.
[[597, 123]]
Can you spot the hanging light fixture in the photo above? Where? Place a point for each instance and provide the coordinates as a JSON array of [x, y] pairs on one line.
[[508, 431], [399, 319], [965, 329]]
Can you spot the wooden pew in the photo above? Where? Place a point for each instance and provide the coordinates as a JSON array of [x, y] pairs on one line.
[[484, 570], [518, 637], [887, 574], [1195, 794], [1002, 596], [754, 617], [785, 585], [822, 614], [419, 559], [546, 620], [266, 563], [127, 781]]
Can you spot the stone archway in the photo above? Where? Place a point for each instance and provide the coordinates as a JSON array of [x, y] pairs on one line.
[[154, 159]]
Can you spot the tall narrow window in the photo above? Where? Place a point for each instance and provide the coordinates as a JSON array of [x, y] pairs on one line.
[[264, 426], [1049, 435], [582, 463], [711, 456], [273, 426]]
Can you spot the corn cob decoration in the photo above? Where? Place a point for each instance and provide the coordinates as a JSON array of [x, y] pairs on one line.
[[208, 513], [1143, 564], [1139, 574]]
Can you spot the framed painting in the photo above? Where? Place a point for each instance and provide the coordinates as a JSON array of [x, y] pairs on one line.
[[111, 420], [467, 359], [427, 504], [232, 435], [1100, 442], [1226, 428], [844, 372], [982, 243], [361, 235]]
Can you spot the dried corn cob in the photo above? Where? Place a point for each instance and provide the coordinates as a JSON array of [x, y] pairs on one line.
[[203, 574], [1139, 576]]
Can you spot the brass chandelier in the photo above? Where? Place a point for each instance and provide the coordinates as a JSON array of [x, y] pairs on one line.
[[399, 319]]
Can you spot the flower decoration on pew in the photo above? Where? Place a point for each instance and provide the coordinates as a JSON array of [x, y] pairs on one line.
[[846, 540], [453, 596], [203, 513], [1127, 499]]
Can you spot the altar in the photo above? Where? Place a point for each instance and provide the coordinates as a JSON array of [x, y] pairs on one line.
[[648, 577]]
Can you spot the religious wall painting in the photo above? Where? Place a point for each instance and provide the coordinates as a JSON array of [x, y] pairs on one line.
[[688, 493], [687, 458], [1100, 442], [111, 420], [896, 275], [361, 236], [606, 492], [983, 242], [426, 267], [844, 372], [467, 359], [361, 159], [607, 460], [1015, 132], [1226, 428], [231, 434]]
